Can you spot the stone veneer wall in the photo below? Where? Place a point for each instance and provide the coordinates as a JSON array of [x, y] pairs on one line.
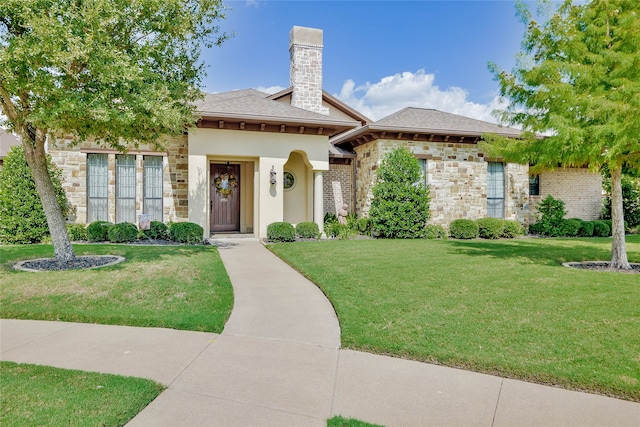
[[579, 189], [73, 162], [305, 69], [338, 188], [456, 175]]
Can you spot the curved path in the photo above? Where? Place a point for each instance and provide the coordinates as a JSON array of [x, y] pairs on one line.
[[278, 362]]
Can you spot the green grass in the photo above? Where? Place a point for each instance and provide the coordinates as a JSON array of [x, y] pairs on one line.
[[348, 422], [38, 395], [504, 307], [178, 287]]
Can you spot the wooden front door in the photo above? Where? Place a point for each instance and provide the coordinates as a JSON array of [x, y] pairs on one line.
[[225, 198]]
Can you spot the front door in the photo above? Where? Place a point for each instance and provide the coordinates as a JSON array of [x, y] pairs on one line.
[[225, 198]]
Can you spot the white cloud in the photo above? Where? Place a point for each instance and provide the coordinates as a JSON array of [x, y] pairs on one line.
[[270, 89], [407, 89]]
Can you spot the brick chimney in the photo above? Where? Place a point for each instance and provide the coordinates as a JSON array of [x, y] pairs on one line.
[[305, 50]]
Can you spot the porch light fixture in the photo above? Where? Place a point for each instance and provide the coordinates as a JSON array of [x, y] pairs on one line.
[[272, 176]]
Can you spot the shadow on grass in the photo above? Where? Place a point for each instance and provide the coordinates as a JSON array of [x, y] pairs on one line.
[[11, 254], [551, 252]]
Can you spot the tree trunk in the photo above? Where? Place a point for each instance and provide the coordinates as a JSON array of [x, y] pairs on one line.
[[618, 246], [37, 161]]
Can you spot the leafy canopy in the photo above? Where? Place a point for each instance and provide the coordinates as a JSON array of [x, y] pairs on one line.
[[112, 70], [578, 81]]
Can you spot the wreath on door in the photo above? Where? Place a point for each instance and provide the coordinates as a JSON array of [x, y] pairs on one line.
[[225, 183]]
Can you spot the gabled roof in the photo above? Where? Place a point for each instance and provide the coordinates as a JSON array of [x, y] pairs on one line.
[[423, 124], [331, 100], [253, 110]]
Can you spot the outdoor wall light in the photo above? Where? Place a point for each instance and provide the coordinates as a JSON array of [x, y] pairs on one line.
[[272, 174]]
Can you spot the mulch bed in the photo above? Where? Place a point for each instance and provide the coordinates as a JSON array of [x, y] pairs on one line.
[[601, 266], [80, 262]]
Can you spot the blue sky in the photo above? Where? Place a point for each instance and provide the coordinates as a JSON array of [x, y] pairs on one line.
[[379, 56]]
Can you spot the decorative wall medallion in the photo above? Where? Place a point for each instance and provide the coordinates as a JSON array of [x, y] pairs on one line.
[[289, 180]]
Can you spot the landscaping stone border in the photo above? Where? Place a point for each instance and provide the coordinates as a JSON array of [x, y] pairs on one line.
[[80, 262]]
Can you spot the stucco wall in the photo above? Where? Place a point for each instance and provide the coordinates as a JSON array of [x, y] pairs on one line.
[[73, 162], [266, 151]]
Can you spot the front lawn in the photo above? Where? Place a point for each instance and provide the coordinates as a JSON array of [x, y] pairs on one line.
[[39, 395], [178, 287], [504, 307]]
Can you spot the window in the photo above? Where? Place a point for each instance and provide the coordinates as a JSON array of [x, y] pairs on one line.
[[152, 204], [97, 183], [424, 168], [495, 190], [534, 185], [126, 188], [289, 180]]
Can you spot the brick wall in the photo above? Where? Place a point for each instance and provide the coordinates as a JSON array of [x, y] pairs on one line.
[[73, 162], [579, 189], [338, 188]]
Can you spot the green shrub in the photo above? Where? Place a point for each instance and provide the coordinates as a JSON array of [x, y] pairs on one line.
[[512, 229], [463, 229], [98, 231], [157, 230], [434, 231], [601, 229], [586, 229], [570, 227], [363, 226], [490, 228], [551, 213], [77, 232], [186, 232], [281, 232], [22, 218], [343, 231], [400, 205], [308, 230], [123, 232]]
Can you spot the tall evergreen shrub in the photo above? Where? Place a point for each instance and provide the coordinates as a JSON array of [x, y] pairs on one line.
[[22, 218], [400, 205]]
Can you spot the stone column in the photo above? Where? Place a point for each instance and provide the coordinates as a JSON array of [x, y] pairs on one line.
[[318, 208]]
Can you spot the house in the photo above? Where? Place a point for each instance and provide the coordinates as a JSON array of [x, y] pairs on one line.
[[7, 140], [254, 159]]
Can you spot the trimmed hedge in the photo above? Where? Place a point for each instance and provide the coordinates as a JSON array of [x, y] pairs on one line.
[[123, 232], [512, 229], [570, 227], [77, 232], [490, 228], [98, 231], [157, 230], [186, 232], [307, 230], [463, 229], [434, 231], [281, 232], [601, 229]]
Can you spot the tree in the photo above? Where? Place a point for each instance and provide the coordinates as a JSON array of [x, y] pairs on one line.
[[120, 72], [578, 81], [400, 205], [22, 218]]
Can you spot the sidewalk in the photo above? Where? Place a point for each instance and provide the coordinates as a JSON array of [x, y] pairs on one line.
[[279, 363]]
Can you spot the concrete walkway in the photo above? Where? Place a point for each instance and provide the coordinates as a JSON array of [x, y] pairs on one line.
[[279, 363]]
